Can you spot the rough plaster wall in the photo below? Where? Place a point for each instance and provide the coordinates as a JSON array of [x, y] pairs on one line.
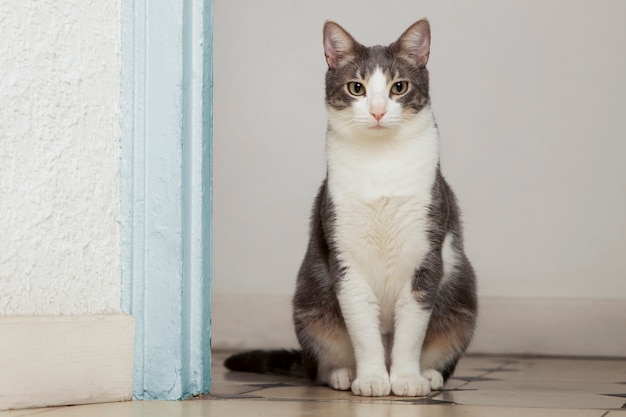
[[59, 147]]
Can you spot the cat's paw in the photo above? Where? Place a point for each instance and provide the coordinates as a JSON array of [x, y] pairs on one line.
[[410, 386], [372, 385], [341, 378], [434, 377]]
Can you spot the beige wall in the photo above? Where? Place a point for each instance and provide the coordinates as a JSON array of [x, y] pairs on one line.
[[530, 98]]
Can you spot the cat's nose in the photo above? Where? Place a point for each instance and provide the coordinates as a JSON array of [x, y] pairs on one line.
[[377, 115]]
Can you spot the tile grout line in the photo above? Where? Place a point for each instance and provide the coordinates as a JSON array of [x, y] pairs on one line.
[[488, 371]]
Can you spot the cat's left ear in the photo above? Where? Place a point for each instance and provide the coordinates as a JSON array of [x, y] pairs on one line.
[[415, 43]]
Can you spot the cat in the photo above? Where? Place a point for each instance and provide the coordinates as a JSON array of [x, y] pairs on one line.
[[385, 300]]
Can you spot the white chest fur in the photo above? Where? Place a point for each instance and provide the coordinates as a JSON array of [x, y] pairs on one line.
[[381, 190]]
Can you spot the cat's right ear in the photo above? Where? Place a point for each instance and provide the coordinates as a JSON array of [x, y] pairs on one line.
[[337, 43]]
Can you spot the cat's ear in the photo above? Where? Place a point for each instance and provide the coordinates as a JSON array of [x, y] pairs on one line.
[[337, 43], [415, 43]]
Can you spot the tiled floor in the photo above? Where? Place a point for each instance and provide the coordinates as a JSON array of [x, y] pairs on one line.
[[481, 386]]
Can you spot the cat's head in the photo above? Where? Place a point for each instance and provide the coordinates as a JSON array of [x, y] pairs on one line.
[[376, 89]]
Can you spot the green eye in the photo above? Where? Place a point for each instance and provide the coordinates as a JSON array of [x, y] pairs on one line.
[[399, 88], [356, 89]]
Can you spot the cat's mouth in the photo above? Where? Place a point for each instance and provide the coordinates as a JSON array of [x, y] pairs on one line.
[[378, 126]]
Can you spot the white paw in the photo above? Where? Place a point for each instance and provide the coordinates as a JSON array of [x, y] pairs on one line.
[[341, 378], [410, 386], [434, 377], [371, 385]]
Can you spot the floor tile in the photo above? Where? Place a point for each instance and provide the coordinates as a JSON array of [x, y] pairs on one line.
[[478, 381], [482, 386], [480, 364], [553, 369], [232, 408], [246, 378], [320, 393], [454, 383], [548, 386], [22, 413], [224, 390], [571, 400]]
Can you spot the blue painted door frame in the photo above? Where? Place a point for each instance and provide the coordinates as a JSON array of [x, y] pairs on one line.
[[165, 192]]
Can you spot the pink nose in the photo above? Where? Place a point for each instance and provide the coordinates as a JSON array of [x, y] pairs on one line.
[[377, 115]]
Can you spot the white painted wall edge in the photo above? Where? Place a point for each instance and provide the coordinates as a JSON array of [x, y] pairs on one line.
[[507, 325], [64, 360]]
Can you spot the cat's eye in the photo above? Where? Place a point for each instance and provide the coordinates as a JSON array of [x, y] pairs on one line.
[[356, 89], [399, 88]]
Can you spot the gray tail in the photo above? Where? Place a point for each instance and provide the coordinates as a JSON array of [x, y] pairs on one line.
[[275, 362]]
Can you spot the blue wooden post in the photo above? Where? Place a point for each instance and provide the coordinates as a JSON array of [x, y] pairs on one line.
[[166, 192]]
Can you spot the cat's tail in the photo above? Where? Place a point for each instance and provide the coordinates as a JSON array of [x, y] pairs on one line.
[[276, 362]]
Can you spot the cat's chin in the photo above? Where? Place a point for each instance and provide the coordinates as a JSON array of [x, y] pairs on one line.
[[379, 130]]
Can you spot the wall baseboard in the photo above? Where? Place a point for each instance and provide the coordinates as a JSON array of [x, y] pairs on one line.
[[551, 326], [63, 360], [507, 325]]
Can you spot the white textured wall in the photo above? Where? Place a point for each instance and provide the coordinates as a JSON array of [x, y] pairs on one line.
[[59, 147], [530, 97]]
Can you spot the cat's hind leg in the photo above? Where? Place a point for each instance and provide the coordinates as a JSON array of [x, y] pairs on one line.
[[446, 340], [336, 363], [434, 377], [339, 378], [327, 346]]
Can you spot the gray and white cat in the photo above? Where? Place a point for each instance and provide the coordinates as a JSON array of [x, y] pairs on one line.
[[385, 299]]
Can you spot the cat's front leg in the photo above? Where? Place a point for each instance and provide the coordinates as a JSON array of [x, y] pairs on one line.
[[410, 329], [360, 310], [412, 315]]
